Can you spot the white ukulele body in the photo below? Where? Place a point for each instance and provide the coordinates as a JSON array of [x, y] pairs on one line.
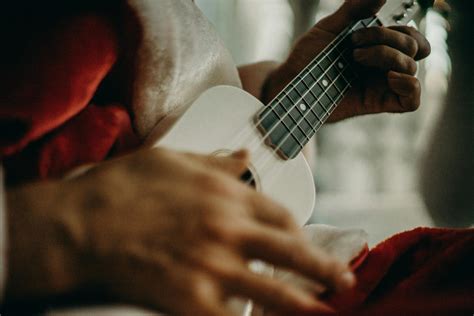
[[222, 120]]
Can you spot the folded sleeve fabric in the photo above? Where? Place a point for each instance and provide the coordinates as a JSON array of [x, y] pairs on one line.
[[49, 122]]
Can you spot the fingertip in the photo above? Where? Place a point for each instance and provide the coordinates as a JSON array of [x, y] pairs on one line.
[[348, 280], [241, 154]]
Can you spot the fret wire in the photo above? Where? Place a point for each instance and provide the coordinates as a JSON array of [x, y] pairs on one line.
[[311, 106], [280, 144], [302, 114], [312, 109], [335, 102], [281, 120], [325, 93], [333, 107], [295, 123], [317, 82]]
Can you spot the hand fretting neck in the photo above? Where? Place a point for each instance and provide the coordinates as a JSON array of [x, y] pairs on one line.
[[296, 114]]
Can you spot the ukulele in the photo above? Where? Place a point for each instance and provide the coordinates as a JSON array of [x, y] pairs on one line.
[[225, 119]]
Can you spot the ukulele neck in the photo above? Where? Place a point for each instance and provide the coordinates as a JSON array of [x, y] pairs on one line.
[[294, 116]]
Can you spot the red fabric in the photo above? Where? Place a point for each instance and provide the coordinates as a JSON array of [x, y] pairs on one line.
[[87, 138], [47, 122], [421, 272]]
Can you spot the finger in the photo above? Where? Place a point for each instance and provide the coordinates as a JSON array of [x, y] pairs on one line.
[[424, 47], [375, 36], [385, 58], [235, 164], [204, 299], [407, 89], [287, 251], [270, 213], [350, 12], [274, 294]]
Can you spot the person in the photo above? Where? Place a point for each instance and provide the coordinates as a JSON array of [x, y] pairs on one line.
[[160, 229], [447, 175]]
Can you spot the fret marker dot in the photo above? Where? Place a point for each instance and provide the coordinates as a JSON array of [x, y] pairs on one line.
[[303, 107], [340, 65], [325, 83]]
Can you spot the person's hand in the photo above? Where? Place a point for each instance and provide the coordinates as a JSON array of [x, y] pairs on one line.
[[165, 230], [386, 55]]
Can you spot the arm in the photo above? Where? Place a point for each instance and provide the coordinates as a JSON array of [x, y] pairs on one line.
[[155, 226]]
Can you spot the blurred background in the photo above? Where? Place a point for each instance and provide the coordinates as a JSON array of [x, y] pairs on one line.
[[384, 173]]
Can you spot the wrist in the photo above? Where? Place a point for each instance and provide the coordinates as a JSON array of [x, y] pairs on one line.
[[276, 81], [44, 256]]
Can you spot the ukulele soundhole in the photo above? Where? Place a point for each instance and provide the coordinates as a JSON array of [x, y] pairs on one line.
[[248, 178]]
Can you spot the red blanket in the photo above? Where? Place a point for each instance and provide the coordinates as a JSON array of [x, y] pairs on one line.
[[420, 272]]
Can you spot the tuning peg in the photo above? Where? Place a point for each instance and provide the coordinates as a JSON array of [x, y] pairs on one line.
[[408, 5], [399, 17]]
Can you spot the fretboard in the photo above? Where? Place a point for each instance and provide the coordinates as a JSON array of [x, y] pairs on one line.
[[290, 120]]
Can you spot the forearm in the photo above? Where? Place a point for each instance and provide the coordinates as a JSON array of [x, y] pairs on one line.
[[40, 261]]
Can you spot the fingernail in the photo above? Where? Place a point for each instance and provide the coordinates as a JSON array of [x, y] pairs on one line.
[[358, 55], [348, 279]]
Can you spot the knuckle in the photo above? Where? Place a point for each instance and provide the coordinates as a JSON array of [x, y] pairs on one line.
[[279, 294], [222, 230], [415, 104], [397, 62], [378, 34], [217, 185], [207, 182], [286, 219], [218, 268], [231, 276], [412, 67], [199, 287], [416, 85], [411, 31], [411, 46], [194, 285], [295, 252], [330, 269]]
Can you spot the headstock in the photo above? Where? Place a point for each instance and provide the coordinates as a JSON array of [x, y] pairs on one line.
[[400, 12]]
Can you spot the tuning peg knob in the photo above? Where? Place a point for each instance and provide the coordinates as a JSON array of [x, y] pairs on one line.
[[399, 17]]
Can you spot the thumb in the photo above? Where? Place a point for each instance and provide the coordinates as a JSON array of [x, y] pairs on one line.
[[351, 11], [235, 164]]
